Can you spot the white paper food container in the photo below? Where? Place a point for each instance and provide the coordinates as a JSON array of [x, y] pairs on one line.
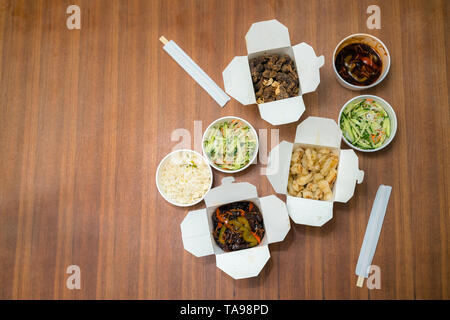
[[273, 37], [196, 229], [314, 131]]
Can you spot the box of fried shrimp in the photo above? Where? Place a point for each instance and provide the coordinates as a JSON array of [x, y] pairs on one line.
[[198, 226], [311, 187]]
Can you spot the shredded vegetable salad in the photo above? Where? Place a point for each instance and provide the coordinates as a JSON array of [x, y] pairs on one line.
[[230, 144], [365, 124]]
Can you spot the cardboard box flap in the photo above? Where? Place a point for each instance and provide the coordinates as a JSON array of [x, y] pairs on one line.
[[237, 80], [308, 65], [243, 263], [266, 35], [347, 176], [309, 212], [195, 233], [230, 192], [278, 166], [276, 218], [319, 131], [282, 111]]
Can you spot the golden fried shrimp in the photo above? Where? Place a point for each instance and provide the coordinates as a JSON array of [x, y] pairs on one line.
[[328, 196], [304, 179], [317, 177], [329, 164], [312, 173], [322, 159], [294, 187], [308, 153], [291, 190], [324, 186], [331, 177], [305, 171], [297, 186], [299, 149], [296, 168], [307, 194], [311, 157], [312, 186], [318, 194], [304, 161], [295, 157], [297, 154], [324, 151]]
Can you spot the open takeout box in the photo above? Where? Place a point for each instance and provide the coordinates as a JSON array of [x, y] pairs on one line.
[[196, 229], [314, 131], [272, 37]]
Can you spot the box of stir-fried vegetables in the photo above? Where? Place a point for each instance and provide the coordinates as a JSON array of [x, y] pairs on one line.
[[237, 227]]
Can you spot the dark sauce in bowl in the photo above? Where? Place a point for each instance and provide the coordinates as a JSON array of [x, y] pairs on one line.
[[358, 64]]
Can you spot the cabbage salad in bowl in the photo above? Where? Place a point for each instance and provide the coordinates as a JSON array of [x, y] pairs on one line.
[[230, 144]]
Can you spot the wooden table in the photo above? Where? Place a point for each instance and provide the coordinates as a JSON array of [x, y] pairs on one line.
[[86, 116]]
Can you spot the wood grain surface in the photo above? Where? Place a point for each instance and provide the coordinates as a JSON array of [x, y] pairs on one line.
[[86, 116]]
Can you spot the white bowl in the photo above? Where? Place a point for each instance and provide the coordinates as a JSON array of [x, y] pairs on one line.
[[373, 42], [161, 164], [389, 110], [224, 119]]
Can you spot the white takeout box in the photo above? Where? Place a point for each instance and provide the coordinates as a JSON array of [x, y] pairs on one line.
[[272, 37], [314, 131], [197, 228]]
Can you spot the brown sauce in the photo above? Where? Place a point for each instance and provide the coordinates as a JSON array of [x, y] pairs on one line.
[[358, 64]]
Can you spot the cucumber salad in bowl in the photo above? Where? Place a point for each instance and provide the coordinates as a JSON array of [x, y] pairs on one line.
[[368, 123]]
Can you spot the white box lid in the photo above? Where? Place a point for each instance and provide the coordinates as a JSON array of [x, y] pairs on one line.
[[230, 192], [243, 263], [237, 80], [319, 131], [282, 111], [276, 218], [308, 65], [348, 175], [266, 35], [309, 212], [278, 167], [195, 233]]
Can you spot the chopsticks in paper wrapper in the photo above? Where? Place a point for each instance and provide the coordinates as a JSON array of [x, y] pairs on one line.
[[372, 233], [195, 71]]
